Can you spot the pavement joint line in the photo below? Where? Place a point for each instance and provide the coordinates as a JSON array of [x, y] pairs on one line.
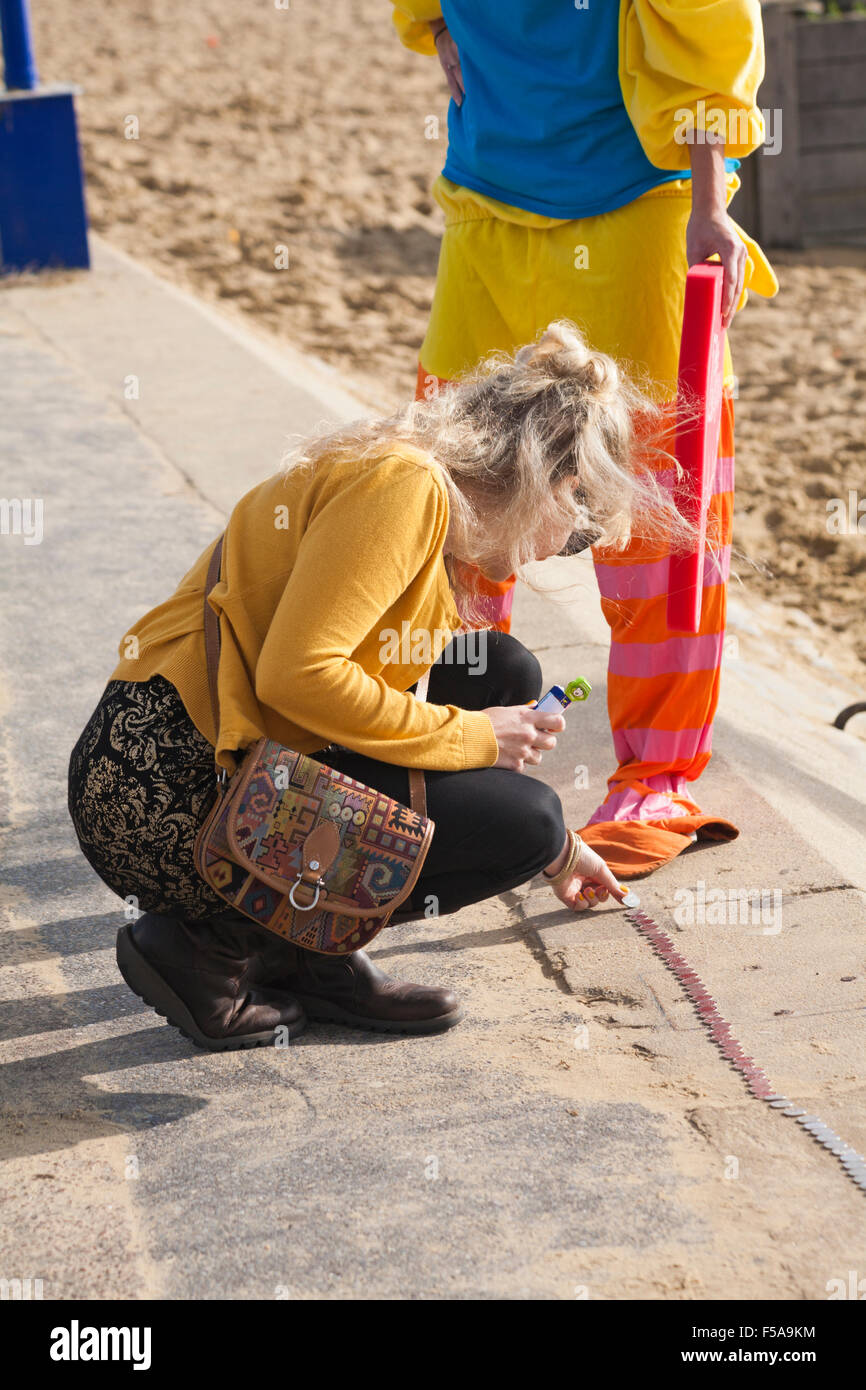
[[561, 646], [658, 1003], [529, 934], [821, 1013], [827, 888], [851, 1161], [120, 407]]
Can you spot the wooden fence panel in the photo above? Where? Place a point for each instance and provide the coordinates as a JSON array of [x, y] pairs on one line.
[[826, 127], [832, 171], [831, 83], [839, 218], [777, 185], [814, 190], [830, 40]]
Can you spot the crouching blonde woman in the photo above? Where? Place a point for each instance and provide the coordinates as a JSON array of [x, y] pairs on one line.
[[529, 456]]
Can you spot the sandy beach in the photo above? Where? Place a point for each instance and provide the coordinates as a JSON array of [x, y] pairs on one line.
[[305, 128]]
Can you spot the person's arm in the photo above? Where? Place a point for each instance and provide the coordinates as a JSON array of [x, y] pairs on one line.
[[363, 548], [710, 230], [691, 64], [690, 70], [449, 59]]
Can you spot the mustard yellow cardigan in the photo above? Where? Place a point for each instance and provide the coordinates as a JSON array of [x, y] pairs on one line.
[[333, 600]]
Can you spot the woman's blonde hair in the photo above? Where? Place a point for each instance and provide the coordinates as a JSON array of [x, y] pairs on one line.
[[551, 438]]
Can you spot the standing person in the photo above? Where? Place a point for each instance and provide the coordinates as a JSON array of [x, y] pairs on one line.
[[582, 179], [320, 566]]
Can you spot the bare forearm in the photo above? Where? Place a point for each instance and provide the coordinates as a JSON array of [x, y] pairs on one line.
[[708, 178], [710, 231]]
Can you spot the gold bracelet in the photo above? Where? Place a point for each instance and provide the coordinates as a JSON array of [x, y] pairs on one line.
[[567, 869]]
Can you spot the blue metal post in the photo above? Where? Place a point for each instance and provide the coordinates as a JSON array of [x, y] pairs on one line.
[[43, 221], [19, 65]]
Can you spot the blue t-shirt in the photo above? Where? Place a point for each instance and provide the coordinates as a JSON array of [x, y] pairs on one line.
[[543, 125]]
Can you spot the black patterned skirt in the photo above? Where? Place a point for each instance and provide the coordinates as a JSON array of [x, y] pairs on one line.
[[141, 782]]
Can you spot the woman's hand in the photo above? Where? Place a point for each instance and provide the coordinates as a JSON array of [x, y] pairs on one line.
[[523, 734], [449, 58], [590, 882]]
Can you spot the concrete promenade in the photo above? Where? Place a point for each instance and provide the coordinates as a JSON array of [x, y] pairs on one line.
[[505, 1159]]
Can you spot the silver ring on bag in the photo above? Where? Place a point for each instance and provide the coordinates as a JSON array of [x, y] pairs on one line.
[[299, 907]]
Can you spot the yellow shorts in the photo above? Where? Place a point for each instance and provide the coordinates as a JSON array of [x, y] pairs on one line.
[[505, 273]]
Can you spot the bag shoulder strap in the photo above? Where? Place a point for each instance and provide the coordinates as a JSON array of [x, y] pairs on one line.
[[212, 633], [417, 785], [417, 788]]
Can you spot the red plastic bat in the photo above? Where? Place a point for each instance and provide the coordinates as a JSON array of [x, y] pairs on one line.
[[699, 413]]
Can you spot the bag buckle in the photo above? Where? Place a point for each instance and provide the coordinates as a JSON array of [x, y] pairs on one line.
[[308, 907]]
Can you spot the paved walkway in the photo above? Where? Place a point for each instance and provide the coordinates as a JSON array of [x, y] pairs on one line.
[[501, 1160]]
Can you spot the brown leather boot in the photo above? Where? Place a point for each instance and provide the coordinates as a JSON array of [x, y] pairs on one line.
[[353, 991], [206, 979]]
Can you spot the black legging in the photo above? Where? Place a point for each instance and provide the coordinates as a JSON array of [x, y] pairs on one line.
[[494, 828]]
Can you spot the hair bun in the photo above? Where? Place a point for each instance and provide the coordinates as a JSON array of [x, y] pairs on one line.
[[561, 351]]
